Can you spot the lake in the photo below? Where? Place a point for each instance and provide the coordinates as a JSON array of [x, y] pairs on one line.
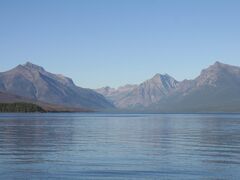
[[119, 146]]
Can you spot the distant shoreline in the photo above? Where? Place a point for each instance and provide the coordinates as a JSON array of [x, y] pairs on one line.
[[24, 107]]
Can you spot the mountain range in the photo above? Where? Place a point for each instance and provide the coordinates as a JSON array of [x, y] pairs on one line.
[[143, 95], [216, 89]]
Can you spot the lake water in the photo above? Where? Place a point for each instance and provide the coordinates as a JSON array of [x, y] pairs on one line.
[[119, 146]]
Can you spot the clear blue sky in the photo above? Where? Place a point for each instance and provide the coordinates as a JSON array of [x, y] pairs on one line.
[[115, 42]]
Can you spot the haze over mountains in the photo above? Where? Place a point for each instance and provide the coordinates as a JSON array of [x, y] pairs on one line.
[[216, 89], [142, 95]]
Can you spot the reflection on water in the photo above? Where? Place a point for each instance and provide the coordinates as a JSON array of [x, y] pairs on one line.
[[107, 146]]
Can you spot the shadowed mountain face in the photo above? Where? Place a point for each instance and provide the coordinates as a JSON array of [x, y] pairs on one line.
[[33, 82], [216, 89], [143, 95]]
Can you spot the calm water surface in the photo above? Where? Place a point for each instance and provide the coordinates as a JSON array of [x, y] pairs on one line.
[[112, 146]]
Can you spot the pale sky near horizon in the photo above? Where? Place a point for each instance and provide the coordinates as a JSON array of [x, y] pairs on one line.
[[118, 42]]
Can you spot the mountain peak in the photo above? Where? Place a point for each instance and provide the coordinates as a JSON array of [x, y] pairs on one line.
[[218, 67], [33, 82], [160, 81], [218, 64], [30, 65], [162, 78], [157, 76], [216, 74]]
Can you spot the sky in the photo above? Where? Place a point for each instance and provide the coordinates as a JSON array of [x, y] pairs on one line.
[[116, 42]]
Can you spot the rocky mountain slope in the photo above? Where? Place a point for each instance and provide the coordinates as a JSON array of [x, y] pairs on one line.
[[142, 95], [34, 82], [216, 89]]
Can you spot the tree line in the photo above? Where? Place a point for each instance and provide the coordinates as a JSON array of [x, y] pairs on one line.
[[20, 107]]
